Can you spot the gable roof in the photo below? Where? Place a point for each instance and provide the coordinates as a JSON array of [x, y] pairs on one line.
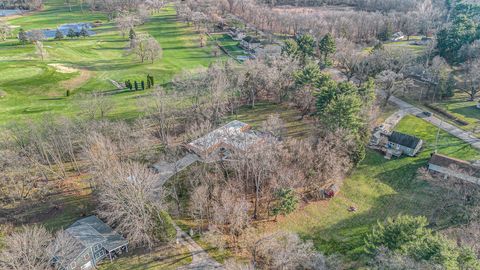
[[235, 134], [458, 164], [404, 139], [91, 230]]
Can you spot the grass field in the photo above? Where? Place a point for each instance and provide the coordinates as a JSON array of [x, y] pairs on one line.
[[379, 188], [33, 86], [463, 109]]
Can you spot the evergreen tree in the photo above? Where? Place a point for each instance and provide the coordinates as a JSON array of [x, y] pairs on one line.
[[286, 204], [71, 33], [151, 81], [58, 35], [306, 47], [143, 85], [148, 82], [132, 35], [84, 32], [22, 36], [290, 48], [136, 86], [327, 47], [67, 93]]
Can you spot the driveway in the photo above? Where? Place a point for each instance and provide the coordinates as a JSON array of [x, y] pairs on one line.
[[200, 258]]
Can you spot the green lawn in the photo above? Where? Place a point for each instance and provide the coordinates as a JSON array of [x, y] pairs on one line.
[[33, 87], [464, 110], [379, 188]]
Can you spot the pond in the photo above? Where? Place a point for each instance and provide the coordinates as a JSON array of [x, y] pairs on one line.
[[8, 12], [65, 28]]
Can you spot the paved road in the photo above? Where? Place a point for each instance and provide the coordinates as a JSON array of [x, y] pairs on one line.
[[200, 258], [453, 130]]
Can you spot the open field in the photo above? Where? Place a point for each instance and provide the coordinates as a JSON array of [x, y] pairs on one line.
[[32, 87], [379, 188]]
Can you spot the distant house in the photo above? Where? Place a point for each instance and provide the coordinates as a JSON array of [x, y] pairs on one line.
[[250, 43], [452, 167], [397, 36], [232, 137], [236, 34], [94, 240], [400, 143]]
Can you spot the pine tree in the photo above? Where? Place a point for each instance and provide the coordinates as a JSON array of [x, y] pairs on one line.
[[327, 47], [136, 86], [67, 93], [148, 82], [143, 85], [71, 33], [22, 36], [84, 32], [151, 81], [132, 35], [58, 35]]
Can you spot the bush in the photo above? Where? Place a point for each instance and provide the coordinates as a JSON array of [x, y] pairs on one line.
[[165, 231], [3, 94]]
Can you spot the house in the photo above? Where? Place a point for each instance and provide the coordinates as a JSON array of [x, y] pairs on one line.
[[236, 34], [397, 36], [232, 137], [400, 143], [452, 167], [250, 43], [93, 241]]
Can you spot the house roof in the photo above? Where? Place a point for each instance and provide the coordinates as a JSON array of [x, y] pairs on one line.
[[91, 230], [458, 164], [404, 139], [235, 134]]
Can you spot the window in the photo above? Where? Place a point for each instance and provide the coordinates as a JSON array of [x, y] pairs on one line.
[[96, 248]]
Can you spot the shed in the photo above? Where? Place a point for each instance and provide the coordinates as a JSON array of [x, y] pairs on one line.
[[453, 167]]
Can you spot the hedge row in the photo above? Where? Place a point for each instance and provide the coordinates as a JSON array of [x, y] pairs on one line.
[[446, 114]]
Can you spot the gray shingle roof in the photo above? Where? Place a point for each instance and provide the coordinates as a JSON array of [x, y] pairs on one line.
[[91, 230], [404, 139]]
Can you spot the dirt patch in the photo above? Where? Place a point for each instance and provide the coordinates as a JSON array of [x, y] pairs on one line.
[[78, 81]]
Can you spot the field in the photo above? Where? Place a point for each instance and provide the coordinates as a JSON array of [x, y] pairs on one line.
[[31, 86], [379, 188], [464, 110]]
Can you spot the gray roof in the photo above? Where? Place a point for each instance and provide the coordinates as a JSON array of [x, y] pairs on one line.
[[236, 134], [404, 139], [91, 230]]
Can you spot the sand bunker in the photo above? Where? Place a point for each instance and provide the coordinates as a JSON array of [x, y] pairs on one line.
[[64, 69]]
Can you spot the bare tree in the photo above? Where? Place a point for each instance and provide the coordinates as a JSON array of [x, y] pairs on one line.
[[275, 126], [131, 199], [63, 248], [40, 50], [471, 79], [282, 250], [305, 100], [5, 30], [36, 35], [125, 22], [391, 83], [27, 249], [96, 104], [146, 47]]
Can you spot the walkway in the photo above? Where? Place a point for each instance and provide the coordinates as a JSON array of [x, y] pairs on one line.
[[405, 108], [167, 170], [200, 258]]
